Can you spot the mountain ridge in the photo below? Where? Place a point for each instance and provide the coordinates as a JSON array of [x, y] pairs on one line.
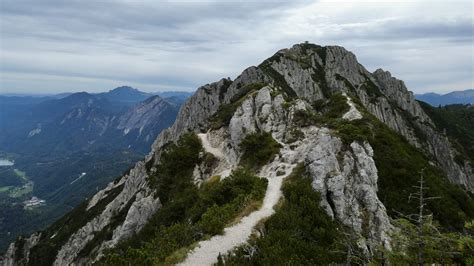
[[454, 97], [299, 93]]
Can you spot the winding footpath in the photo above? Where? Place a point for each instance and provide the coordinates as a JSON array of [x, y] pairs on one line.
[[353, 113], [217, 153], [207, 251]]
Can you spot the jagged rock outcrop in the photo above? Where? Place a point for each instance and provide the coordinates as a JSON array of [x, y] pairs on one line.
[[195, 113], [21, 250], [347, 181], [136, 200], [148, 118], [290, 82], [381, 94], [429, 139]]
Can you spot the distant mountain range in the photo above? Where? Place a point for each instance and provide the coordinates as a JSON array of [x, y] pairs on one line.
[[123, 93], [455, 97], [88, 120], [54, 139]]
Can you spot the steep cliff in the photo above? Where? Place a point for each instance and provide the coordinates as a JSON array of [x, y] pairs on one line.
[[320, 107]]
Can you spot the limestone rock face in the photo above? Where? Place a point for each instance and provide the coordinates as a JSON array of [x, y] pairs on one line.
[[347, 181], [443, 151], [341, 62], [9, 257], [140, 211], [299, 79], [195, 113], [394, 105], [148, 118], [136, 190], [396, 91]]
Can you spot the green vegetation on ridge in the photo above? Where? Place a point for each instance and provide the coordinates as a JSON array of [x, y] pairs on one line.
[[189, 213], [399, 164], [258, 149]]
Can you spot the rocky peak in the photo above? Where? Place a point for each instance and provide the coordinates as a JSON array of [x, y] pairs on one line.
[[312, 72], [146, 113], [123, 89], [396, 90], [125, 94]]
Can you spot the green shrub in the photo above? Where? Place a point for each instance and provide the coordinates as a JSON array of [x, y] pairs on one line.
[[347, 83], [399, 164], [304, 118], [372, 90], [176, 165], [295, 135], [336, 107], [215, 218], [318, 105], [350, 131], [331, 111], [439, 248], [223, 116], [258, 149], [19, 249]]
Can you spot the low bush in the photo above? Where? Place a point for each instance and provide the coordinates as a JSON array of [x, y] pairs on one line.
[[304, 118], [258, 149], [336, 107], [177, 162]]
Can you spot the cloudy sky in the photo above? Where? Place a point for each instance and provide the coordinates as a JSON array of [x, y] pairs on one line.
[[54, 46]]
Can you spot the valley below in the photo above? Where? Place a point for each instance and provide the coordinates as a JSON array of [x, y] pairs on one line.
[[58, 152], [28, 203]]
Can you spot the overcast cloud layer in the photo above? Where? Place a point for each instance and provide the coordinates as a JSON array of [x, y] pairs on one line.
[[56, 46]]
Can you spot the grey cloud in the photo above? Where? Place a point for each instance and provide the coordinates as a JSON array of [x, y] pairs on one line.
[[184, 44], [401, 29]]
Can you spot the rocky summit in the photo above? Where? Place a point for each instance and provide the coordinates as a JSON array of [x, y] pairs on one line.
[[310, 118]]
